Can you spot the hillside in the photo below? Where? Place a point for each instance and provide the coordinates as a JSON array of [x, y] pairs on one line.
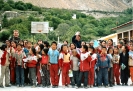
[[102, 5]]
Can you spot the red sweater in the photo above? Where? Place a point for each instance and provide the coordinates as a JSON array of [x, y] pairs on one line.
[[32, 63], [3, 58], [84, 64]]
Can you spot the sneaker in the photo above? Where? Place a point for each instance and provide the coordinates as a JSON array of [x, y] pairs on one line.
[[131, 84], [18, 86], [126, 84], [111, 85], [56, 86], [48, 86], [85, 87], [73, 86], [22, 85], [63, 86], [8, 85], [122, 84], [77, 87], [99, 86], [53, 86], [106, 86], [33, 86], [69, 86], [91, 86], [1, 86], [118, 84]]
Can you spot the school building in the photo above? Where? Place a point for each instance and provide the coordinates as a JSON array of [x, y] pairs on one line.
[[124, 31]]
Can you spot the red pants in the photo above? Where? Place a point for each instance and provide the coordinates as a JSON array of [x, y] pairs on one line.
[[38, 74], [54, 74], [65, 72], [91, 76], [131, 73], [12, 71], [116, 70]]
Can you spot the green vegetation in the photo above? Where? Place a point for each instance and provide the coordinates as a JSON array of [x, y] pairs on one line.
[[60, 19]]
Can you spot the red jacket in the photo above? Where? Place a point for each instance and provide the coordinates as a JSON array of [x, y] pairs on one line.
[[3, 58], [32, 63], [84, 64]]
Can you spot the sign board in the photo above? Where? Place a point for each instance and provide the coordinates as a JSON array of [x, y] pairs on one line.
[[39, 27]]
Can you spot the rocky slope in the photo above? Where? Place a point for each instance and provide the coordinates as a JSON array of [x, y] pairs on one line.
[[103, 5]]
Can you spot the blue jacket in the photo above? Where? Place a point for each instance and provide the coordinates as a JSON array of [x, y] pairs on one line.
[[103, 64]]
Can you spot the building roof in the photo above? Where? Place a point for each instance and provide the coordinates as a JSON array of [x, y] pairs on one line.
[[128, 23], [108, 37]]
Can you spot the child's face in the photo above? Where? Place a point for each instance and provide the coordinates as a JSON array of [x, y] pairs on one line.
[[30, 52], [13, 44], [54, 46], [115, 50], [131, 47], [65, 49], [72, 46], [74, 53], [43, 52], [111, 51], [83, 49], [104, 50], [91, 50], [123, 49], [19, 48]]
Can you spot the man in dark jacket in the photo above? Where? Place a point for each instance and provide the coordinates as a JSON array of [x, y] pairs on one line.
[[76, 39], [15, 36]]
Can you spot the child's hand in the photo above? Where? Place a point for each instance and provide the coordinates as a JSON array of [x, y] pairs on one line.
[[97, 68]]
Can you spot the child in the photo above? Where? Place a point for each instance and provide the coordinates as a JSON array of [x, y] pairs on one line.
[[84, 66], [54, 67], [75, 67], [131, 63], [32, 61], [116, 67], [65, 64], [124, 57], [19, 56], [92, 63], [12, 62], [110, 53], [103, 65], [44, 66], [4, 67]]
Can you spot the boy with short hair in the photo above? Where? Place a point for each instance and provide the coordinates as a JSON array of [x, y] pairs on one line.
[[53, 62]]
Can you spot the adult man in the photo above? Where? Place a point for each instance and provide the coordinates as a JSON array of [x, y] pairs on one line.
[[15, 36], [76, 39]]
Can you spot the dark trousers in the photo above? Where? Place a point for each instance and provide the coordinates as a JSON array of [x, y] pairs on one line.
[[26, 72], [32, 75], [46, 76], [110, 76], [124, 76], [85, 75], [74, 79], [19, 75], [103, 76]]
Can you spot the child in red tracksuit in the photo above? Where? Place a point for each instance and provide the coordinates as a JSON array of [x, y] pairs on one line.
[[91, 75], [32, 61], [84, 66], [65, 65], [116, 67], [12, 62]]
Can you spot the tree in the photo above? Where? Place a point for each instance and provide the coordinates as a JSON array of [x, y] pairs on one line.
[[4, 35], [29, 5], [62, 29], [5, 21], [7, 7]]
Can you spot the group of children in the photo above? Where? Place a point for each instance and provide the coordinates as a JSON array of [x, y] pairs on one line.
[[25, 64]]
